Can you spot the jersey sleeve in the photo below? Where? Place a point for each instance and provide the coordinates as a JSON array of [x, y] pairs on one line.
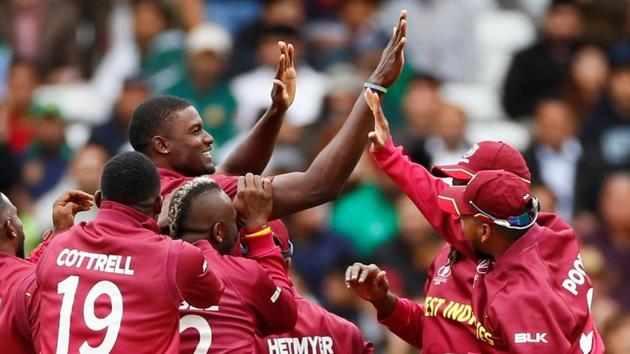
[[263, 250], [406, 321], [273, 306], [36, 254], [229, 184], [196, 283], [272, 282], [423, 189]]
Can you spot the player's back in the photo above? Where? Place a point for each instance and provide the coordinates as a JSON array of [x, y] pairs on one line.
[[231, 326], [13, 273], [109, 287], [317, 331], [560, 251]]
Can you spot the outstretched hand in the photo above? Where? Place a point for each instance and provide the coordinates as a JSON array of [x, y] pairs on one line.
[[284, 83], [381, 134], [368, 281], [68, 206], [392, 59], [253, 202]]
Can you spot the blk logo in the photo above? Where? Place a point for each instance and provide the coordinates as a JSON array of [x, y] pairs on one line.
[[520, 338]]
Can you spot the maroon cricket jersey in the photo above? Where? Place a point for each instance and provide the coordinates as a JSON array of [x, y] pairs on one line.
[[15, 334], [442, 323], [171, 180], [252, 304], [536, 298], [446, 321], [317, 332], [114, 285]]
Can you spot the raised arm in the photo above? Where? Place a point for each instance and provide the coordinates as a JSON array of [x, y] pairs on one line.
[[413, 179], [325, 177], [254, 152]]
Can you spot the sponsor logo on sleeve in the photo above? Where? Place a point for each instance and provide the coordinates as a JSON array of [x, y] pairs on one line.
[[522, 338]]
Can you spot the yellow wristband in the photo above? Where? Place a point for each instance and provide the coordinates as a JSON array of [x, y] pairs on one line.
[[262, 232]]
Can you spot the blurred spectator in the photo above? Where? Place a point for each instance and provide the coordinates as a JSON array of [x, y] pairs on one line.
[[421, 106], [364, 213], [546, 198], [207, 50], [539, 70], [616, 335], [555, 154], [160, 43], [23, 79], [45, 32], [233, 15], [441, 35], [252, 89], [345, 84], [46, 159], [316, 247], [410, 253], [287, 13], [620, 52], [588, 75], [112, 134], [10, 175], [448, 142], [84, 173], [613, 237], [609, 126], [342, 39]]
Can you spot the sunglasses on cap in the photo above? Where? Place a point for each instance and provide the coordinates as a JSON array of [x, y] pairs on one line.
[[519, 222]]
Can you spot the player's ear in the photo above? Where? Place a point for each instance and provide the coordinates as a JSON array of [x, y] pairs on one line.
[[218, 233], [10, 229], [485, 232], [157, 205], [98, 198], [160, 144]]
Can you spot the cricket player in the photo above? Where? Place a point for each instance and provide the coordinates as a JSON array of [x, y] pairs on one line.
[[317, 331], [534, 295], [17, 274], [257, 299], [453, 271], [170, 132], [114, 285]]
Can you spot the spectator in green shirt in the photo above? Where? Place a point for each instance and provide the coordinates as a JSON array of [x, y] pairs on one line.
[[207, 48]]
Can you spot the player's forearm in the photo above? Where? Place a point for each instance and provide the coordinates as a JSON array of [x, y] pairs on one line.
[[326, 176], [254, 152], [405, 321]]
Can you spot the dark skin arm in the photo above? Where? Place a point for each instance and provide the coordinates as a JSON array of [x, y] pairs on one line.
[[253, 153], [325, 177], [371, 284]]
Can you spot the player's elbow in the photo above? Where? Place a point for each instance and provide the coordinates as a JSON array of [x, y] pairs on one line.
[[209, 296], [286, 319]]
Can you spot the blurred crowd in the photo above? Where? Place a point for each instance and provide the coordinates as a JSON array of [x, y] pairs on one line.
[[550, 77]]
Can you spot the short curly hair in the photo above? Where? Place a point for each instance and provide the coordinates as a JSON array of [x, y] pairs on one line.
[[150, 119], [130, 178]]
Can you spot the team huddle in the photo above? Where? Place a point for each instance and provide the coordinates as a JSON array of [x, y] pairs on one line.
[[188, 257]]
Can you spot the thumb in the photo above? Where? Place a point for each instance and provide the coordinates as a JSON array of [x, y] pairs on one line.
[[373, 137], [381, 280]]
